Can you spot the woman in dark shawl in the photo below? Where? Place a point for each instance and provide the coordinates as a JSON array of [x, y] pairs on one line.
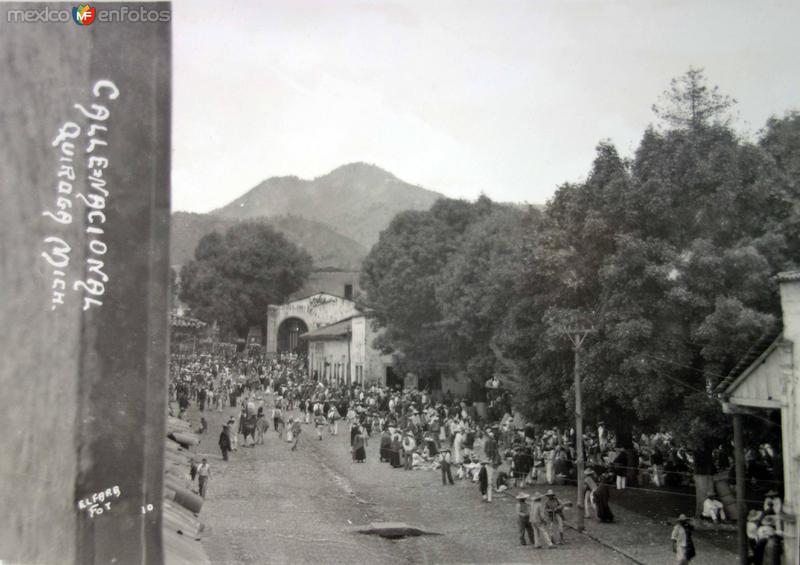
[[601, 497], [386, 446], [224, 442], [394, 451]]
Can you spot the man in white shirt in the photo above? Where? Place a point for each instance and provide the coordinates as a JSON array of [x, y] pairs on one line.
[[203, 476]]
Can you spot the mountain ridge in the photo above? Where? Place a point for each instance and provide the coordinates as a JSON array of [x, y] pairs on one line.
[[357, 200]]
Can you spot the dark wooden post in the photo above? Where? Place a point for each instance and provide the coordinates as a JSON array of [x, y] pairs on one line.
[[84, 231]]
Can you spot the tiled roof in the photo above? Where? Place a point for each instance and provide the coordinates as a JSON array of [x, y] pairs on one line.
[[787, 276]]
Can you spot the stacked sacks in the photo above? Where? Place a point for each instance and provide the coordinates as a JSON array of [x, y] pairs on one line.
[[182, 529]]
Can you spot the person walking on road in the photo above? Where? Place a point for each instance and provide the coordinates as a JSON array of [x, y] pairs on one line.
[[539, 522], [682, 544], [232, 433], [203, 476], [554, 509], [277, 419], [333, 420], [224, 442], [483, 482], [444, 462], [319, 423], [492, 453], [409, 445], [295, 431], [261, 428], [589, 507], [524, 518]]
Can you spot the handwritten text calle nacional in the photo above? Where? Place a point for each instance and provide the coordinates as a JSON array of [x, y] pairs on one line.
[[93, 194]]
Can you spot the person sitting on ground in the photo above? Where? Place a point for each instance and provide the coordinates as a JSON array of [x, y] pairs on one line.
[[753, 522], [769, 541], [713, 509]]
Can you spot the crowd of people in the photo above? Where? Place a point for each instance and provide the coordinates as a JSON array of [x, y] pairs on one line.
[[418, 430]]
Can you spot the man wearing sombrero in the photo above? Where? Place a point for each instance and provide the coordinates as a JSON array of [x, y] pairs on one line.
[[682, 544], [524, 519], [539, 522]]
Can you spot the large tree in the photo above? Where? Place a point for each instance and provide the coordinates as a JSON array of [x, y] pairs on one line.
[[671, 255], [476, 286], [234, 277], [691, 104], [400, 276]]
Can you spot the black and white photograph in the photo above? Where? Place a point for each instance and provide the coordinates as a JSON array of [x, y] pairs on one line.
[[400, 282]]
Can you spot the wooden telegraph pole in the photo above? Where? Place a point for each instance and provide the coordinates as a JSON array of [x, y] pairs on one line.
[[577, 337]]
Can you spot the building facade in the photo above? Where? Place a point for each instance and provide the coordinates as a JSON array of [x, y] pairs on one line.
[[343, 353], [287, 322]]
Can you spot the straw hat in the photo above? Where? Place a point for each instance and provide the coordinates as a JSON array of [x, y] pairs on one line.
[[523, 496], [682, 518], [549, 492], [536, 496]]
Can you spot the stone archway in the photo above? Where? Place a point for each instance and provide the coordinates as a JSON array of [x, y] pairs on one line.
[[289, 332]]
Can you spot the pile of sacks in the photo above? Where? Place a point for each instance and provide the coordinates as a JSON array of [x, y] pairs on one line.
[[181, 528]]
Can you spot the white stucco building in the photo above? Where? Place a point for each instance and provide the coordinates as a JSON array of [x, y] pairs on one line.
[[767, 378], [335, 335]]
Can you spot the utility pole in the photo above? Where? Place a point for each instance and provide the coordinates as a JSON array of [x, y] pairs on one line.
[[577, 337]]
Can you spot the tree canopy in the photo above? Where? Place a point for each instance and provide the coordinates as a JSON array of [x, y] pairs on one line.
[[671, 255], [234, 277]]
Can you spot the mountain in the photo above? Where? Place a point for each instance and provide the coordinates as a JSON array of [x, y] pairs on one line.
[[356, 200], [327, 247]]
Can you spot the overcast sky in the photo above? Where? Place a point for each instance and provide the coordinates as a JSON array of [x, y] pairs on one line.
[[463, 97]]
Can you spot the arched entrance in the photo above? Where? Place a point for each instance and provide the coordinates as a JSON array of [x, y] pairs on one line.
[[289, 332]]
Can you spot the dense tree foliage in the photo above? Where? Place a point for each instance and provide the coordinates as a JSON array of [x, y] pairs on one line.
[[401, 273], [669, 255], [234, 277]]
